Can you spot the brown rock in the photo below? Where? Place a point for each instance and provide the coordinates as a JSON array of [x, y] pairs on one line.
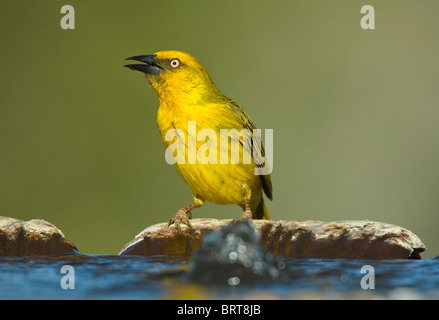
[[32, 238], [292, 239]]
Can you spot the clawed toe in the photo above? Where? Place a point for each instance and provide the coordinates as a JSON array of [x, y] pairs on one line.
[[182, 217], [246, 216]]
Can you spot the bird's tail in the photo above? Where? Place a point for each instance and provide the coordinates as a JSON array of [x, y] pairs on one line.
[[261, 211]]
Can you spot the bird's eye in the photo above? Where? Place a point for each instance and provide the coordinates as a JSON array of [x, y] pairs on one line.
[[175, 63]]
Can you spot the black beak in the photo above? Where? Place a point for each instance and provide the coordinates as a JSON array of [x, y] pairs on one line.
[[151, 66]]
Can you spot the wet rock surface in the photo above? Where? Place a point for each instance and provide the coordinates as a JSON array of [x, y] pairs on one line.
[[233, 255], [32, 238], [292, 239]]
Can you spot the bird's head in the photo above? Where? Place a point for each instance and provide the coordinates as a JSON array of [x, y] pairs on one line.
[[175, 73]]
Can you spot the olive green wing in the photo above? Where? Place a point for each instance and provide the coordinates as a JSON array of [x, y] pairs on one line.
[[256, 143]]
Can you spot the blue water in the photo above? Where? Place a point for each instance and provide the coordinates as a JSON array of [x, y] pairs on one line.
[[134, 277]]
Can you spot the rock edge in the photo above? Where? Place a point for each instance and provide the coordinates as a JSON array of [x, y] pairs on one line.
[[35, 237]]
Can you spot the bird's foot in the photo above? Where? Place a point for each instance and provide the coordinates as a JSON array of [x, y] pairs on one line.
[[246, 216], [182, 217]]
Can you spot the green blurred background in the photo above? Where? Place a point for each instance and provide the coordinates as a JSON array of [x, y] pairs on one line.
[[355, 113]]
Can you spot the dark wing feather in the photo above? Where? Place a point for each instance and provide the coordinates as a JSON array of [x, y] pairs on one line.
[[248, 124]]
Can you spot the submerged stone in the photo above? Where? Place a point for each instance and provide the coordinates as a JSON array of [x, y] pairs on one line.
[[234, 255]]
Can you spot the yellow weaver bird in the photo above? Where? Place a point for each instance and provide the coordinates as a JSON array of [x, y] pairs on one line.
[[187, 93]]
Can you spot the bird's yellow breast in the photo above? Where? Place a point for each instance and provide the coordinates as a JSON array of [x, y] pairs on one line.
[[211, 181]]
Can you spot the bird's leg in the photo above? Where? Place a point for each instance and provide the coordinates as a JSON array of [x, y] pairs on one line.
[[183, 216], [247, 214]]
